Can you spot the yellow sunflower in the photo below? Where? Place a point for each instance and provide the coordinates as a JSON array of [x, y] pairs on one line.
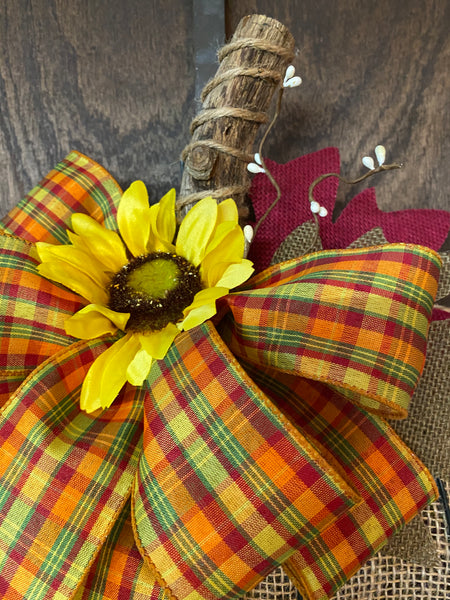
[[147, 282]]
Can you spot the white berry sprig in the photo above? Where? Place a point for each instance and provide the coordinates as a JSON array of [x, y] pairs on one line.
[[380, 153], [257, 166], [290, 79], [317, 210]]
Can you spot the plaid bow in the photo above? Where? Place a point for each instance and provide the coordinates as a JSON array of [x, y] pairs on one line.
[[260, 439]]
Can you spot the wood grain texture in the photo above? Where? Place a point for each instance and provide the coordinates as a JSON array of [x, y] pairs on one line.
[[110, 78], [115, 79], [373, 72]]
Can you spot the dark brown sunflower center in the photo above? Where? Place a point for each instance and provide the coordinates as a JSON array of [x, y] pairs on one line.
[[154, 289]]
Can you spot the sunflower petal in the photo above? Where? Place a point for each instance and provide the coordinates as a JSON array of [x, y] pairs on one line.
[[74, 279], [95, 320], [78, 242], [153, 346], [227, 211], [230, 249], [214, 272], [158, 343], [196, 229], [76, 257], [139, 367], [203, 307], [166, 222], [236, 274], [156, 243], [108, 374], [106, 245], [133, 218], [220, 233]]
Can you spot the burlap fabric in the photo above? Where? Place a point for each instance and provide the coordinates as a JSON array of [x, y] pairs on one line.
[[387, 577], [414, 564], [276, 586]]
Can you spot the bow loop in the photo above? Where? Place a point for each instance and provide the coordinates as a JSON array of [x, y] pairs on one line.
[[33, 312], [354, 319], [76, 184]]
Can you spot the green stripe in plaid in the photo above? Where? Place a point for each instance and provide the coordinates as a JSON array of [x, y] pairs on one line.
[[227, 488], [355, 319], [119, 571], [65, 476], [392, 483], [76, 184]]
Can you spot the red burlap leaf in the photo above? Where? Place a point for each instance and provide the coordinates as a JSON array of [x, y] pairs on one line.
[[420, 226]]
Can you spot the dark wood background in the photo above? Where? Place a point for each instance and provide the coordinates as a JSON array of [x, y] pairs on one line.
[[116, 79]]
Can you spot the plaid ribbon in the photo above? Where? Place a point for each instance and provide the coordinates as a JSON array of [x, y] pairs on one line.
[[259, 440]]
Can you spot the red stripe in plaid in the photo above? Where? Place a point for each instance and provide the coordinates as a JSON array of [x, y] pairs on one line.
[[227, 488], [76, 184], [65, 476]]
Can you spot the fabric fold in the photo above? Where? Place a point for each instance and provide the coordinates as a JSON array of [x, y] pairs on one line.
[[119, 571]]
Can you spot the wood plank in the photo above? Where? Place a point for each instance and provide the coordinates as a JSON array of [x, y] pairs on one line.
[[208, 35], [109, 78], [373, 72]]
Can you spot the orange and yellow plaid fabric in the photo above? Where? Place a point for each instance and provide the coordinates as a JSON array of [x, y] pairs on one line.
[[343, 319], [257, 441]]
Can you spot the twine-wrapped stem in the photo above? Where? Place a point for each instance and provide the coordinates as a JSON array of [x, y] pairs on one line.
[[235, 104]]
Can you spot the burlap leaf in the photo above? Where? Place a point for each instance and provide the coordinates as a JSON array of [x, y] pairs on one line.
[[414, 544], [427, 429], [297, 243], [444, 278], [374, 237]]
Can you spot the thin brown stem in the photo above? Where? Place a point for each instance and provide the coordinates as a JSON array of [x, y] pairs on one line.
[[344, 180], [350, 181], [263, 164], [314, 183]]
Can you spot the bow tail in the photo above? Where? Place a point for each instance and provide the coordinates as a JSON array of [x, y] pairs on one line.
[[65, 476], [227, 488], [392, 483], [119, 570]]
